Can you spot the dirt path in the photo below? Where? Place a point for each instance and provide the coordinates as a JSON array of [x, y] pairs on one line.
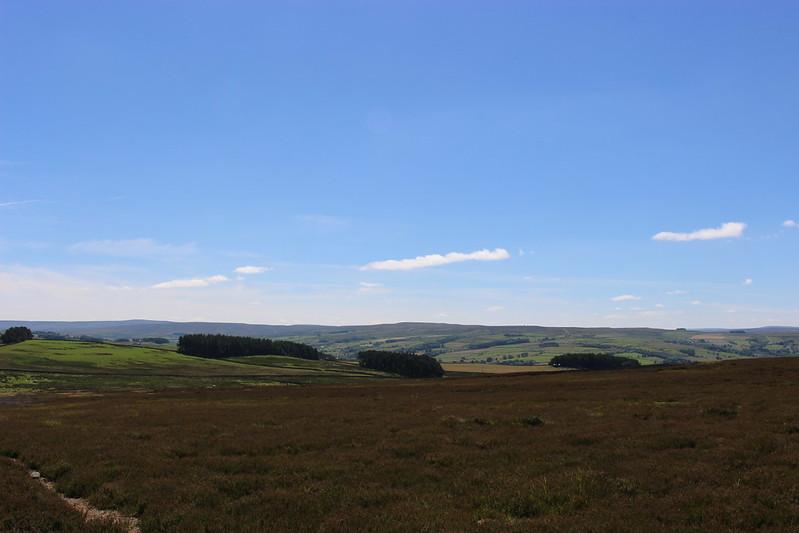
[[89, 512]]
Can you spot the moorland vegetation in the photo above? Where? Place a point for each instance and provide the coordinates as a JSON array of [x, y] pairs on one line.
[[683, 448]]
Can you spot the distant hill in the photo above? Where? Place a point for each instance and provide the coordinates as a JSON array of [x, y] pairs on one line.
[[761, 329], [453, 343], [112, 329]]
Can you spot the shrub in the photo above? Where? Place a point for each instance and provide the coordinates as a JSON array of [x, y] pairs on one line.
[[593, 361], [16, 334]]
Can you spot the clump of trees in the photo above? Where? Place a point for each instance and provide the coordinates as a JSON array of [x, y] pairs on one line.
[[593, 361], [16, 334], [219, 346], [410, 365], [498, 342]]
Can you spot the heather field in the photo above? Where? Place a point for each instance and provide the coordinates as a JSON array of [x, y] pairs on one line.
[[705, 447]]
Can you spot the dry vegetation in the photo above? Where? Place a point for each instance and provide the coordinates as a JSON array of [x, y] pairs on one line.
[[710, 447]]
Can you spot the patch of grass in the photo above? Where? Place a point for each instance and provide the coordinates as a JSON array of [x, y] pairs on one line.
[[531, 421], [722, 411]]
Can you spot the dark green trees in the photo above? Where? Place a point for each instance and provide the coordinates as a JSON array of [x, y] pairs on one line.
[[405, 364], [593, 361], [16, 334], [218, 346]]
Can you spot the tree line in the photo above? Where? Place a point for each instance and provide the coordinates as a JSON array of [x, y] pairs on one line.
[[593, 361], [409, 365], [219, 346]]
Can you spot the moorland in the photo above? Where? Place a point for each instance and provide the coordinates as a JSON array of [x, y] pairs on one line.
[[266, 442], [676, 448]]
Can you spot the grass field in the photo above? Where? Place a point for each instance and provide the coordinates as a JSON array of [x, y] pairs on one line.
[[709, 447], [532, 344], [512, 345], [72, 365]]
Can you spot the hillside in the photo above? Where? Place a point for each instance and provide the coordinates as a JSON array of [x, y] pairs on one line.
[[519, 345], [44, 364]]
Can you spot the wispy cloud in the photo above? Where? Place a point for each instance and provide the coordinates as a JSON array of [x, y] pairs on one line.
[[676, 292], [790, 224], [133, 248], [696, 302], [191, 283], [625, 298], [366, 287], [17, 202], [425, 261], [250, 269], [748, 281], [494, 308], [728, 230]]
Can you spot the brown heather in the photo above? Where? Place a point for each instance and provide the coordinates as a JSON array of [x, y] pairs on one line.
[[705, 448]]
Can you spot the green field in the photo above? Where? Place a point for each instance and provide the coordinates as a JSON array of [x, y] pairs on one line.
[[40, 364], [507, 345], [537, 345]]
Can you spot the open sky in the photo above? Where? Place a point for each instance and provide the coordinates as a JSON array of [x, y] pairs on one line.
[[543, 162]]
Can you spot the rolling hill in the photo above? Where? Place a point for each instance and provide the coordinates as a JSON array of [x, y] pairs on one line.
[[47, 364], [453, 343]]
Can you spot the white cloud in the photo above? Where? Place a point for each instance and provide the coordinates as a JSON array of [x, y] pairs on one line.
[[132, 248], [676, 292], [696, 302], [790, 224], [748, 281], [18, 202], [660, 306], [424, 261], [76, 294], [250, 269], [191, 283], [372, 288], [728, 230], [494, 308], [625, 298]]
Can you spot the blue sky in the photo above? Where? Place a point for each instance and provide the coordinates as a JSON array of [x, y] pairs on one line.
[[150, 149]]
